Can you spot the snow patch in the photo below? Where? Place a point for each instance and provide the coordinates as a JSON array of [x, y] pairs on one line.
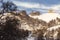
[[54, 27], [47, 17]]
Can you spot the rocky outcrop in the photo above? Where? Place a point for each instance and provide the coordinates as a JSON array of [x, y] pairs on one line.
[[52, 33], [54, 22], [9, 28], [18, 25], [35, 13]]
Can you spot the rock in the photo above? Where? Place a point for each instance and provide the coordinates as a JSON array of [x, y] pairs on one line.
[[9, 28], [35, 13]]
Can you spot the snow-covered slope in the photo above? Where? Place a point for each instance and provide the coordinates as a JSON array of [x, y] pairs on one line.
[[54, 27], [52, 32], [47, 16]]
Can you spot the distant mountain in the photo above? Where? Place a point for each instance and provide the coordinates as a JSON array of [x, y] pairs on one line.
[[47, 16], [53, 22]]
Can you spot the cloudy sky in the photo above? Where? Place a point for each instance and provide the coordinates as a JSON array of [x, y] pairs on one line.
[[37, 5]]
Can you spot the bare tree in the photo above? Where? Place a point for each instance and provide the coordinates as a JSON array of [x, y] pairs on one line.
[[8, 6]]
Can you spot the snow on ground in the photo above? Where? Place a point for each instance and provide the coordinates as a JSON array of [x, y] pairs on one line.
[[52, 31], [26, 27], [30, 37], [47, 16], [54, 27], [34, 16]]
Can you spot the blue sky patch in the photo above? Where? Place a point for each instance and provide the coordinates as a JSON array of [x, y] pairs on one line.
[[37, 5]]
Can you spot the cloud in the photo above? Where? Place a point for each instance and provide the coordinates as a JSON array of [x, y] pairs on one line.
[[56, 7], [37, 6], [44, 8], [27, 5]]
